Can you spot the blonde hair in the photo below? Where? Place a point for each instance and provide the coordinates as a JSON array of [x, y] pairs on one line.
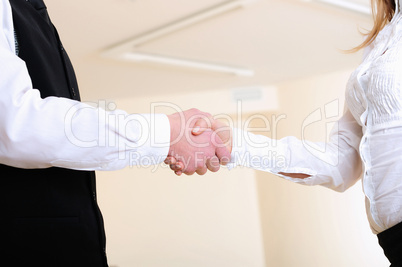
[[383, 11]]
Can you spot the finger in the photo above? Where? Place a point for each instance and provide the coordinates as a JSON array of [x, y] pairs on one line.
[[224, 132], [221, 151], [178, 173], [189, 169], [225, 158], [213, 164], [189, 172], [202, 171], [170, 160], [179, 166], [202, 124], [173, 167]]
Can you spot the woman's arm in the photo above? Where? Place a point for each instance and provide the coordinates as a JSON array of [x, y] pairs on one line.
[[335, 164]]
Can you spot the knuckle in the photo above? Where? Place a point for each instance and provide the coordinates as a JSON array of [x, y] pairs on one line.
[[189, 172], [200, 165], [202, 121], [215, 169]]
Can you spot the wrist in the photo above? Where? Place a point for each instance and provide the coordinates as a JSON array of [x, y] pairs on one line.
[[174, 121]]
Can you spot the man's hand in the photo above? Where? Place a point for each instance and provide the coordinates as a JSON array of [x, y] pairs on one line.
[[194, 153], [200, 127], [221, 129]]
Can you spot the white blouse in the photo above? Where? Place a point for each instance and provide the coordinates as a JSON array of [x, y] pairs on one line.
[[367, 139]]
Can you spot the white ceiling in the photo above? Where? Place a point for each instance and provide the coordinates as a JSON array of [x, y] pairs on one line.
[[280, 39]]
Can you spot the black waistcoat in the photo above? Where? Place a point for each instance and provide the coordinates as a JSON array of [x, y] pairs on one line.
[[49, 217]]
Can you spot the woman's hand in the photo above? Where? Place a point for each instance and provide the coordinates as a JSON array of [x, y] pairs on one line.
[[221, 130]]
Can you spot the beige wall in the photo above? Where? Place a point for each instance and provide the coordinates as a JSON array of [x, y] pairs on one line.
[[155, 219], [242, 217]]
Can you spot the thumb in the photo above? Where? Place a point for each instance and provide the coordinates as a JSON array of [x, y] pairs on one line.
[[225, 133], [201, 125], [221, 151]]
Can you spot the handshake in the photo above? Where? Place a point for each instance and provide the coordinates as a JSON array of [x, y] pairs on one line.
[[198, 143]]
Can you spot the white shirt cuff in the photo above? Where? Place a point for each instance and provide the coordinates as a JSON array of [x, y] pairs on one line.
[[239, 148], [153, 143]]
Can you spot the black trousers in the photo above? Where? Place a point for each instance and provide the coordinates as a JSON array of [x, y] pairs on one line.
[[391, 242]]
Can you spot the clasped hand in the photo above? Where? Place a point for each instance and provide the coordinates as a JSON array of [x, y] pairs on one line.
[[198, 143]]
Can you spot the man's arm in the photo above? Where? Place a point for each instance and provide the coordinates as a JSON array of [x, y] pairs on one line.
[[41, 133]]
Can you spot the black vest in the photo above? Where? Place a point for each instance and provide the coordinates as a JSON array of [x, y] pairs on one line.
[[49, 217]]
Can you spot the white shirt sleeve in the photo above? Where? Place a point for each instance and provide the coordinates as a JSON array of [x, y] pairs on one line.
[[41, 133], [335, 164]]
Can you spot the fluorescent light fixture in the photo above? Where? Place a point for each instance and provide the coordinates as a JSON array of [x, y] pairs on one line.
[[127, 49], [178, 62], [356, 6]]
